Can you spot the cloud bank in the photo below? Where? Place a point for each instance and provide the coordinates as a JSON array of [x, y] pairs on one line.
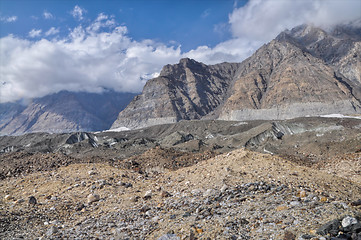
[[262, 20], [102, 54]]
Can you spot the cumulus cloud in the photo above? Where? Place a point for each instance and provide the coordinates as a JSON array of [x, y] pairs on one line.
[[78, 12], [9, 19], [35, 33], [52, 31], [262, 20], [88, 59], [47, 15]]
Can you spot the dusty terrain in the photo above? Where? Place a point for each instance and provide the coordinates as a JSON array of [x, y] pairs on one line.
[[190, 180], [241, 194]]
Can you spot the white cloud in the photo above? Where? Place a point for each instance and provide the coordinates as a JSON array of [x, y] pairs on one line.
[[86, 60], [102, 21], [35, 33], [78, 12], [262, 20], [206, 13], [102, 55], [9, 19], [52, 31], [47, 15]]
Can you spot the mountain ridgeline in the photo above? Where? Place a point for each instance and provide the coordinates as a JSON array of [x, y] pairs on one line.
[[305, 71], [63, 112]]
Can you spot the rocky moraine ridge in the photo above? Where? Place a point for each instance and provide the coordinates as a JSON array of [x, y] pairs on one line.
[[304, 71]]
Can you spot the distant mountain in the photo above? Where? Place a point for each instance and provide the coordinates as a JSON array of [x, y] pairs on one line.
[[63, 112], [8, 111], [304, 71]]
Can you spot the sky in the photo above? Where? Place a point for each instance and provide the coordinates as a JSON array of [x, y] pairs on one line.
[[51, 45]]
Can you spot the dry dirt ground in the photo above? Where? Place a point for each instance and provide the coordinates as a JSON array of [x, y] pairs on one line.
[[236, 195]]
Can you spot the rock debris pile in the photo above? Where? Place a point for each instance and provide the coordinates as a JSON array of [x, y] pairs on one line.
[[238, 195]]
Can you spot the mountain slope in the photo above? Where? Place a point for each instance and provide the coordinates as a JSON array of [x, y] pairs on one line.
[[68, 111], [340, 47], [184, 91], [283, 81], [305, 71]]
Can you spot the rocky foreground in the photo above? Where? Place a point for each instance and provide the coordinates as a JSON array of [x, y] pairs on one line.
[[236, 195]]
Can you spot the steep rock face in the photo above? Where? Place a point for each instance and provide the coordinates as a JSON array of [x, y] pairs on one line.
[[282, 81], [305, 71], [340, 47], [67, 112], [184, 91]]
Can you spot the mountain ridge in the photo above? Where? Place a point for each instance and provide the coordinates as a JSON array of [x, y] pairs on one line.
[[294, 75], [65, 112]]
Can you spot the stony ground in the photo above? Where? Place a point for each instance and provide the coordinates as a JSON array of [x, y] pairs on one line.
[[236, 195]]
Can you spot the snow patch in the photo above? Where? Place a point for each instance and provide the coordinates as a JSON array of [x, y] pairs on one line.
[[119, 129], [340, 116]]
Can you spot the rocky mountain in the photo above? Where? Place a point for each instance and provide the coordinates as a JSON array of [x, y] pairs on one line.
[[340, 47], [305, 71], [184, 91], [63, 112]]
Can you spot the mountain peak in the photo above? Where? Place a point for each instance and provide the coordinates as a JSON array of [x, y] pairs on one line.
[[177, 69], [186, 61]]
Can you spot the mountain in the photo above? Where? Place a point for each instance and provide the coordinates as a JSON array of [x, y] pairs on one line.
[[340, 47], [8, 111], [63, 112], [303, 71], [184, 91]]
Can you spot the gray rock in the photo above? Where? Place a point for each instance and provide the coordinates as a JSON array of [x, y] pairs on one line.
[[169, 237], [348, 221], [148, 194], [331, 227], [51, 231], [93, 198], [295, 203], [32, 200]]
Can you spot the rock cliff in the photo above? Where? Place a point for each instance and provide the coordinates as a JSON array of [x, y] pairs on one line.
[[184, 91]]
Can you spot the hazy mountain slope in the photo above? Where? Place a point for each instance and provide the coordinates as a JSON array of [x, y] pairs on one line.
[[8, 111], [68, 111]]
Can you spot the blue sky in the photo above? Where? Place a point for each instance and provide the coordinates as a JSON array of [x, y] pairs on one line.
[[188, 23], [92, 45]]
